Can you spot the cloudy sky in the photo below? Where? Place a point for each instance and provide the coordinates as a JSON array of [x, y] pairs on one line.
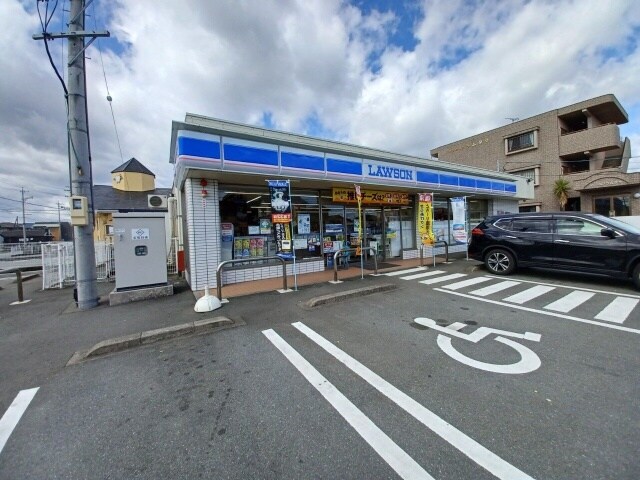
[[404, 76]]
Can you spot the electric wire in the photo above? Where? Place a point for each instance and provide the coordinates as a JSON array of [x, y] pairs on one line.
[[106, 84]]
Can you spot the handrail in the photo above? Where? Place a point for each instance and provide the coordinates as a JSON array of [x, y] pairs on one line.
[[244, 260], [18, 271], [446, 251], [346, 249]]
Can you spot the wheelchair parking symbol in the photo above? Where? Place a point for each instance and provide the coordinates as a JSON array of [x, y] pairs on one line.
[[528, 362]]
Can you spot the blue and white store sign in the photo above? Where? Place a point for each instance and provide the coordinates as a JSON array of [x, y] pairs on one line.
[[229, 154], [386, 173]]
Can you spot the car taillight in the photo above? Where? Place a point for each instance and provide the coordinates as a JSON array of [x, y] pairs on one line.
[[477, 231]]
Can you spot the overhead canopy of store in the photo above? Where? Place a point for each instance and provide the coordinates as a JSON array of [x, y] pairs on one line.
[[231, 152]]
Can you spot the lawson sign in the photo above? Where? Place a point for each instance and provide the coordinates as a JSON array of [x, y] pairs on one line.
[[385, 172]]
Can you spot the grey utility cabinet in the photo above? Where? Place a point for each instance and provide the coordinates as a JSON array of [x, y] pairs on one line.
[[140, 251]]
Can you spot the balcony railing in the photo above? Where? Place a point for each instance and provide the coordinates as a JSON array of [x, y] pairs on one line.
[[597, 139]]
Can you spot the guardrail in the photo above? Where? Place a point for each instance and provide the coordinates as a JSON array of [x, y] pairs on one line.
[[344, 250], [246, 260]]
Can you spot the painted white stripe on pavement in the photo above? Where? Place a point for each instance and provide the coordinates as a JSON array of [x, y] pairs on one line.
[[13, 414], [529, 294], [402, 272], [542, 312], [421, 275], [570, 301], [620, 294], [398, 459], [472, 449], [466, 283], [446, 278], [498, 287], [618, 310]]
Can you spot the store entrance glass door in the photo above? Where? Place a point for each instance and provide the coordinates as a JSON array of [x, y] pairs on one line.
[[374, 229]]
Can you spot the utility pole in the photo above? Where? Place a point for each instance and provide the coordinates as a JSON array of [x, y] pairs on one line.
[[24, 230], [79, 155]]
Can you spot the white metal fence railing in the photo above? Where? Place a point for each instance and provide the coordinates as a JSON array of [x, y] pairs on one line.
[[57, 262], [57, 265], [172, 257], [19, 255]]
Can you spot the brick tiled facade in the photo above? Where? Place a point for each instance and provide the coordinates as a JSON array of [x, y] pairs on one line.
[[579, 142]]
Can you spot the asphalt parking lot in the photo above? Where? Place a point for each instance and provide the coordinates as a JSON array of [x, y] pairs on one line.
[[452, 374]]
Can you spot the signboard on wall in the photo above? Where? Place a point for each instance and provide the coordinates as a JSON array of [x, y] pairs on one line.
[[371, 197]]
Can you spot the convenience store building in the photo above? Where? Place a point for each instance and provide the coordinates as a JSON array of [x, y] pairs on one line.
[[224, 202]]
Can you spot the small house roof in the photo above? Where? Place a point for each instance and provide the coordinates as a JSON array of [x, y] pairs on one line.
[[133, 166]]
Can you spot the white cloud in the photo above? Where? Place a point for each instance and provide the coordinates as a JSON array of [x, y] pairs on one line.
[[315, 66]]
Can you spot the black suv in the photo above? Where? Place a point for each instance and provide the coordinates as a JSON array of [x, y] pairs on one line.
[[580, 242]]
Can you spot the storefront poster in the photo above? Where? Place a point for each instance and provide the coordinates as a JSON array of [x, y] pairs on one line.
[[304, 223], [280, 202], [265, 226], [458, 205], [425, 218], [370, 197]]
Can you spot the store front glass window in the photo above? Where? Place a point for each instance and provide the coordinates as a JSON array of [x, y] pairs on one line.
[[477, 210], [246, 229], [441, 219], [306, 225]]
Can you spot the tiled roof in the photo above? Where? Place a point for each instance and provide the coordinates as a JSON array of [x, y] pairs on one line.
[[106, 197]]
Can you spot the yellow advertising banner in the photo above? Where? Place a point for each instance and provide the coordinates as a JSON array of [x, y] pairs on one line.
[[425, 218], [370, 197]]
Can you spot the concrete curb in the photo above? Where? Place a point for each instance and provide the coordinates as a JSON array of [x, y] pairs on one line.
[[340, 296], [150, 336]]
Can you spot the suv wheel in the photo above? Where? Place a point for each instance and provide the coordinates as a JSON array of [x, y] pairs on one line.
[[636, 276], [500, 262]]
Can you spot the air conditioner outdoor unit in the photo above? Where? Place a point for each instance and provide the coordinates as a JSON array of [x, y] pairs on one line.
[[157, 201]]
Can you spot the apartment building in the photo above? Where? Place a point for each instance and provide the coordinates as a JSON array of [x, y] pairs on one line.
[[580, 143]]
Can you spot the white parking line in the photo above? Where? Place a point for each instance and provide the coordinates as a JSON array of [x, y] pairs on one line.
[[398, 459], [423, 274], [402, 272], [569, 301], [529, 294], [618, 310], [498, 287], [542, 312], [466, 283], [443, 279], [14, 413], [472, 449]]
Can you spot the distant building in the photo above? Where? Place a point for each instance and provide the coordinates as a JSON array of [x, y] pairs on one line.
[[31, 235], [579, 142], [58, 231], [132, 189]]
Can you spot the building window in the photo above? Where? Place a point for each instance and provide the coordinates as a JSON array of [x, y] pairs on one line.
[[523, 141], [108, 229], [528, 208], [614, 206], [531, 174]]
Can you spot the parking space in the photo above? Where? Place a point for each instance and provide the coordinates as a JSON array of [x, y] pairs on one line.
[[464, 377]]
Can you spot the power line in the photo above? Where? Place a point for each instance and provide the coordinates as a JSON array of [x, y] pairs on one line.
[[106, 84]]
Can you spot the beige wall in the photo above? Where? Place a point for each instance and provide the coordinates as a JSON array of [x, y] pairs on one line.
[[99, 232], [487, 150], [133, 182]]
